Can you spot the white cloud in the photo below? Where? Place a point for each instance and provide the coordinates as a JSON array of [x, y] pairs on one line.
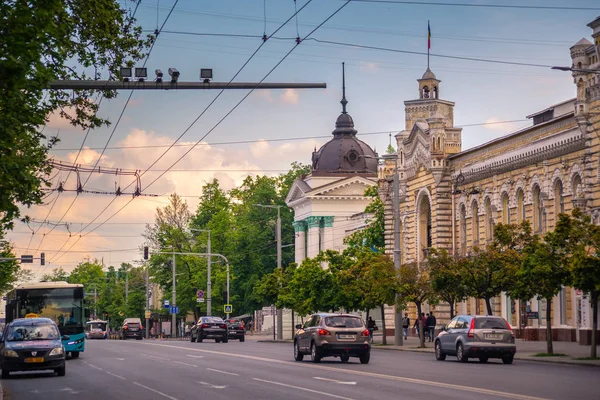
[[369, 66], [290, 96]]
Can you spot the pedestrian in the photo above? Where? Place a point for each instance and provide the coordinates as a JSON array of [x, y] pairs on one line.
[[187, 330], [371, 327], [250, 328], [431, 322], [426, 327], [405, 325], [417, 326], [424, 323]]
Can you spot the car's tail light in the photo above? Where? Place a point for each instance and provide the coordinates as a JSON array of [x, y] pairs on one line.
[[365, 333], [509, 328], [125, 327], [204, 326], [471, 332], [224, 326], [324, 332]]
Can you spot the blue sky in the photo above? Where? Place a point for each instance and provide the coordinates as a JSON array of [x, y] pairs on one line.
[[378, 83]]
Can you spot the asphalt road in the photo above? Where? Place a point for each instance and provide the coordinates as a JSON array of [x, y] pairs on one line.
[[211, 371]]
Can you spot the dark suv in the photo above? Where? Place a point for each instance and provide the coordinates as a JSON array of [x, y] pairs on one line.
[[132, 328], [236, 330], [209, 328]]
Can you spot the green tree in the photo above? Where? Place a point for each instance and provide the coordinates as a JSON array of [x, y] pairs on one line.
[[585, 264], [447, 277], [415, 287], [42, 42], [373, 234], [310, 288], [8, 269], [57, 275]]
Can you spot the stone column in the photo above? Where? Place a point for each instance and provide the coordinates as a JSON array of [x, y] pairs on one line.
[[328, 237], [300, 243], [313, 225]]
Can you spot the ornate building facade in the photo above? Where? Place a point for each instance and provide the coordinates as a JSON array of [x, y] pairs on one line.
[[451, 198]]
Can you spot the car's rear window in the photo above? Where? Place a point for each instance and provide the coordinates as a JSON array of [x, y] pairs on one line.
[[343, 322], [490, 323], [212, 320]]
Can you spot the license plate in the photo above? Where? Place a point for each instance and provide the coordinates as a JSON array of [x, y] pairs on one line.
[[345, 336], [34, 360], [491, 336]]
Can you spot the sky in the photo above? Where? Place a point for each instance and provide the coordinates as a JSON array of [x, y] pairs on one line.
[[278, 127]]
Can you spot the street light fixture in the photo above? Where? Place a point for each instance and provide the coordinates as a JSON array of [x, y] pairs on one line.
[[125, 73], [279, 311], [174, 75], [586, 70]]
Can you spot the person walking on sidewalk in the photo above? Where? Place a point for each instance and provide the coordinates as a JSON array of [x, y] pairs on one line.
[[417, 326], [405, 325], [431, 322], [371, 327]]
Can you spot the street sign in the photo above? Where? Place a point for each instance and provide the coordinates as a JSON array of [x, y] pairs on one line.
[[167, 304], [200, 300], [174, 310], [533, 315], [200, 294], [26, 259], [228, 309], [148, 314]]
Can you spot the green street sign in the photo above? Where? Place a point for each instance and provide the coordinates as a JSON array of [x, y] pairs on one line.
[[227, 308]]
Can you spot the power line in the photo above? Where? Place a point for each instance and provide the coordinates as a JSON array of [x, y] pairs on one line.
[[192, 124], [421, 53], [526, 7]]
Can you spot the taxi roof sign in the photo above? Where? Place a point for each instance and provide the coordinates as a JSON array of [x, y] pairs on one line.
[[32, 315]]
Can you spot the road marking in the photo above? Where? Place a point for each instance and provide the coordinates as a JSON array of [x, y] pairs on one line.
[[360, 373], [222, 372], [93, 366], [115, 375], [333, 380], [305, 389], [155, 391], [211, 386], [183, 363], [121, 359], [159, 358], [193, 356]]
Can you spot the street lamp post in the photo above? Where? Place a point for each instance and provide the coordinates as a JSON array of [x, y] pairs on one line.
[[398, 336], [586, 70], [208, 275], [279, 310]]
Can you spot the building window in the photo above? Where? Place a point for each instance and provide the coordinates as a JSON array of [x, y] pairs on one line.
[[475, 213], [489, 220], [463, 229], [576, 185], [520, 206], [559, 203], [563, 306], [505, 209], [424, 227], [538, 209]]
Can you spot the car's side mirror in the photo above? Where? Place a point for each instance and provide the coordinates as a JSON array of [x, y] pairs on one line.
[[298, 326], [65, 337]]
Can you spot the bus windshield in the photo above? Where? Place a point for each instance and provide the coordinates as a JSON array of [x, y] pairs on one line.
[[62, 305], [90, 326]]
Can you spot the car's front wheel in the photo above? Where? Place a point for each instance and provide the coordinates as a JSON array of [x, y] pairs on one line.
[[60, 371], [460, 354], [298, 356], [225, 339], [508, 359], [365, 358], [439, 354], [242, 339], [314, 353]]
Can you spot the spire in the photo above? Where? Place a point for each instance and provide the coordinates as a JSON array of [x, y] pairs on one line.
[[344, 101]]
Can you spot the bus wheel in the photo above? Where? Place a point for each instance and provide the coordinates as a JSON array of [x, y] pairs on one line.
[[75, 354]]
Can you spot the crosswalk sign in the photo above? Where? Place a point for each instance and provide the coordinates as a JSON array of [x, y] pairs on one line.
[[228, 309]]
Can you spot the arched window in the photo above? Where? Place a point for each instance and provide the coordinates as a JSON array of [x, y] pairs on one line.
[[425, 239], [489, 220], [433, 143], [505, 209], [538, 209], [520, 206], [435, 92], [475, 215], [576, 185], [559, 202], [439, 144], [463, 229]]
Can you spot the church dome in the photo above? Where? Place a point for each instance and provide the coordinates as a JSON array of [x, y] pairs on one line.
[[429, 75]]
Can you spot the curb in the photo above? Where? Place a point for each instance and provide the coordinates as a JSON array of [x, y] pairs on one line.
[[429, 350]]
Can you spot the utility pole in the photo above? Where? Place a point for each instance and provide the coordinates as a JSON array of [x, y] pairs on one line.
[[126, 288], [173, 316], [279, 310], [95, 303], [208, 280], [398, 334], [147, 301]]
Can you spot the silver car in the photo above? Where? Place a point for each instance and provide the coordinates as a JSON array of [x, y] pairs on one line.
[[478, 336], [336, 335]]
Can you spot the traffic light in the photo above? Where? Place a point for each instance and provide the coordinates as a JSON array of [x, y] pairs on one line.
[[42, 258], [145, 252]]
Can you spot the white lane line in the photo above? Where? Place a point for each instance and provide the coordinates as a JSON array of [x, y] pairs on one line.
[[222, 372], [151, 356], [211, 385], [93, 366], [183, 363], [305, 389], [193, 356], [115, 375], [154, 390], [360, 373], [121, 359], [334, 381]]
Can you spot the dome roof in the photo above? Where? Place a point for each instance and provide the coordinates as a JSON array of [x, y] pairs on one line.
[[429, 75], [583, 42]]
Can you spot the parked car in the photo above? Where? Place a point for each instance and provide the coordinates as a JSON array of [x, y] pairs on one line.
[[32, 344], [132, 328], [236, 330], [337, 335], [209, 328], [478, 336]]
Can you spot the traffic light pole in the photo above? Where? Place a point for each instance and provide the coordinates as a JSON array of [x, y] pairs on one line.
[[173, 304], [147, 301], [168, 85]]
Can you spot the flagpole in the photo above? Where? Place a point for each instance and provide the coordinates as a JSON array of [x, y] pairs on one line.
[[428, 42]]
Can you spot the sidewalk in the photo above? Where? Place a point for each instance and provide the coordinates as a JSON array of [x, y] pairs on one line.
[[526, 350]]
